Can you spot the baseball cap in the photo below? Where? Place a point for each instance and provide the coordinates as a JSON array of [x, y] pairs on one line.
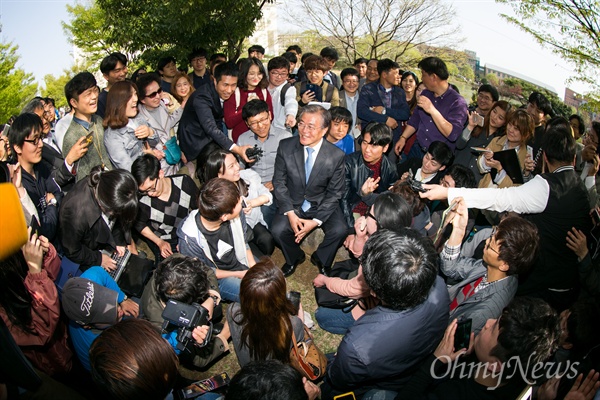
[[87, 302]]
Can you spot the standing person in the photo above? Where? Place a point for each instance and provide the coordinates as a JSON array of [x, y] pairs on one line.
[[372, 71], [441, 112], [283, 94], [200, 75], [223, 164], [330, 55], [127, 135], [202, 119], [82, 94], [263, 302], [487, 96], [349, 97], [182, 88], [308, 185], [252, 84], [360, 64], [167, 68], [162, 119], [114, 69], [409, 83], [256, 51], [320, 91], [540, 109]]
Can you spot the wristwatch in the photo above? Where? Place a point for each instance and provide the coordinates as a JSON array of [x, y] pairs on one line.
[[52, 201]]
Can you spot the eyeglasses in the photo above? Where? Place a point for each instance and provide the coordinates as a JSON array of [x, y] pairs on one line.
[[487, 245], [154, 94], [35, 141], [198, 59], [262, 122], [484, 97], [306, 127], [150, 190], [278, 74]]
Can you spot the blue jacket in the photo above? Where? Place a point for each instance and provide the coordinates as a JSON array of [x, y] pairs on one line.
[[371, 96]]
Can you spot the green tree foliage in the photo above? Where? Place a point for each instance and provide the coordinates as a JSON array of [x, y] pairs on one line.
[[16, 86], [149, 29], [570, 28], [519, 91]]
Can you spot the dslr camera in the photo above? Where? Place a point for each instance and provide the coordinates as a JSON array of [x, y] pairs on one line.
[[185, 318], [254, 153]]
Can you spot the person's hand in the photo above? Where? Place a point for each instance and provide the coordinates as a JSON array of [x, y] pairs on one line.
[[391, 122], [15, 178], [45, 243], [241, 151], [370, 186], [319, 280], [425, 104], [290, 121], [121, 251], [165, 248], [130, 308], [33, 253], [295, 222], [312, 390], [79, 149], [460, 219], [377, 109], [200, 333], [529, 163], [360, 227], [269, 185], [472, 123], [307, 226], [588, 153], [549, 389], [445, 351], [240, 274], [143, 131], [108, 263], [595, 165], [577, 242], [399, 145], [349, 241], [585, 390], [493, 164], [158, 154], [404, 176], [308, 96], [49, 196], [434, 192]]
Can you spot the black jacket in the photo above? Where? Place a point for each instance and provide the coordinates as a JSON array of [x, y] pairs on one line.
[[356, 175]]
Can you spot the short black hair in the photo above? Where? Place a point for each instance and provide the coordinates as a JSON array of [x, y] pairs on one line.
[[316, 109], [33, 105], [110, 62], [400, 267], [217, 197], [441, 152], [360, 60], [434, 65], [329, 52], [349, 71], [228, 68], [463, 177], [295, 48], [266, 380], [386, 65], [164, 61], [541, 102], [23, 126], [291, 57], [305, 56], [256, 47], [381, 134], [181, 278], [253, 108], [198, 52], [277, 63], [519, 244], [487, 88], [144, 81], [79, 84], [146, 166], [559, 145], [341, 114], [581, 123], [392, 212]]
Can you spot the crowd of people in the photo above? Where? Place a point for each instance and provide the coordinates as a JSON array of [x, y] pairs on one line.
[[472, 233]]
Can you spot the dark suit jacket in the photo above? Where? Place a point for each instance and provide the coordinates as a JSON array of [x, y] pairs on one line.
[[83, 232], [201, 122], [55, 162], [325, 187]]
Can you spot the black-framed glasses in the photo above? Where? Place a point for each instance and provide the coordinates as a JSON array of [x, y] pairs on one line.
[[153, 94], [149, 190], [35, 141]]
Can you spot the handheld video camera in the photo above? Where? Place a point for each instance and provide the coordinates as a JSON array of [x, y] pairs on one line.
[[186, 317]]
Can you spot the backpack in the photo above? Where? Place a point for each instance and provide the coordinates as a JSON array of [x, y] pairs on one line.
[[284, 90], [238, 94]]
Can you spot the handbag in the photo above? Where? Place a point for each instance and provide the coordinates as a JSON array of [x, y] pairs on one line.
[[326, 298], [172, 151], [306, 357]]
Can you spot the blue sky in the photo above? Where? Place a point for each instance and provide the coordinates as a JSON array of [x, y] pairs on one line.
[[35, 26]]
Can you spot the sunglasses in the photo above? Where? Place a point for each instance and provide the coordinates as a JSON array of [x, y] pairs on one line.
[[154, 94]]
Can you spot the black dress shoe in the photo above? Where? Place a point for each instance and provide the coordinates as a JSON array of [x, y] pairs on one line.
[[289, 269], [317, 263]]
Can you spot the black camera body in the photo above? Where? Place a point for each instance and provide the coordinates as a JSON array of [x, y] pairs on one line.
[[254, 153], [416, 185], [186, 317]]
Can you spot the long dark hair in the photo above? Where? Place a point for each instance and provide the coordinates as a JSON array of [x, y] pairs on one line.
[[15, 299], [245, 66], [215, 165], [501, 104], [263, 303]]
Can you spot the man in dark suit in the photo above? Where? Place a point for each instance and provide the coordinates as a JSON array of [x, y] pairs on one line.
[[308, 200], [202, 119]]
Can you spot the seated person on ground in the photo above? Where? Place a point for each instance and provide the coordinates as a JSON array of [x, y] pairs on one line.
[[480, 289], [340, 129], [427, 170], [389, 211], [188, 281], [421, 214], [217, 235], [263, 303], [165, 202], [384, 346]]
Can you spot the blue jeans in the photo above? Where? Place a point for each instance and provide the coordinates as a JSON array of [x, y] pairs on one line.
[[334, 320], [230, 289], [379, 394]]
